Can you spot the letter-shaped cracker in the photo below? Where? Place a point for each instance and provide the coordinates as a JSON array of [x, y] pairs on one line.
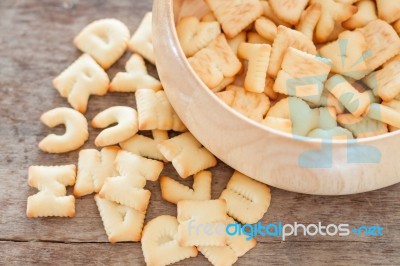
[[82, 78], [396, 26], [254, 37], [266, 28], [348, 54], [194, 35], [93, 168], [384, 114], [303, 118], [215, 62], [386, 81], [235, 16], [105, 40], [186, 154], [309, 19], [332, 11], [251, 104], [333, 133], [127, 126], [247, 199], [288, 10], [258, 60], [127, 189], [270, 14], [159, 242], [383, 43], [354, 101], [121, 223], [51, 200], [395, 105], [281, 124], [366, 13], [236, 246], [362, 127], [236, 41], [194, 216], [155, 111], [76, 130], [388, 10], [302, 75], [286, 38], [145, 146], [135, 77], [328, 100], [141, 41], [173, 191]]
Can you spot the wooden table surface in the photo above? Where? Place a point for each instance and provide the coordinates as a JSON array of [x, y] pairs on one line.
[[35, 46]]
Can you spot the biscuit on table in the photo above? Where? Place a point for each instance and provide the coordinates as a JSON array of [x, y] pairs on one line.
[[127, 188], [159, 242], [156, 112], [302, 75], [363, 126], [247, 200], [235, 16], [76, 130], [286, 38], [251, 104], [309, 19], [145, 146], [236, 246], [135, 77], [173, 191], [215, 62], [187, 155], [331, 12], [142, 169], [93, 168], [127, 125], [82, 78], [52, 199], [141, 41], [194, 216], [258, 61], [194, 35], [105, 40], [121, 223]]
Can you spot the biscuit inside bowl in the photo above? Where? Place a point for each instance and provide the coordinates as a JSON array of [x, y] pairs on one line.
[[279, 159]]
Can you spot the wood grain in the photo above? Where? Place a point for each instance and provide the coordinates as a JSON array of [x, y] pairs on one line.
[[36, 44]]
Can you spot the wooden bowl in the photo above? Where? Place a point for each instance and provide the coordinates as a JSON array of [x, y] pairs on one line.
[[278, 159]]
